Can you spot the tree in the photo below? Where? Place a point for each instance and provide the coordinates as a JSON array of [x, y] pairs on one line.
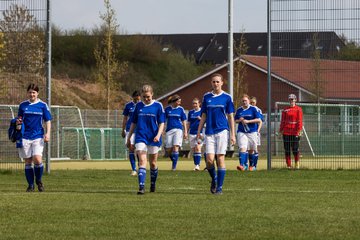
[[2, 54], [316, 85], [24, 49], [105, 52], [240, 86]]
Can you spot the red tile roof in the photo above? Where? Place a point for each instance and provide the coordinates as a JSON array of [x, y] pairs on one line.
[[341, 79]]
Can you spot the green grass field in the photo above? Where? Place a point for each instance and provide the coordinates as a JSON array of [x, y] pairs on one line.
[[102, 204]]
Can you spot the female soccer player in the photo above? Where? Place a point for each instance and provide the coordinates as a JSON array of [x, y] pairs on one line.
[[148, 123], [217, 111], [290, 127], [127, 113], [253, 102], [32, 113], [176, 128], [194, 117], [247, 134]]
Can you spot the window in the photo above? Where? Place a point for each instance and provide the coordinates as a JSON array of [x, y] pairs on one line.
[[306, 44]]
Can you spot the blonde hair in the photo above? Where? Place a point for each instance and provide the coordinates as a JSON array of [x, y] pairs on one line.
[[147, 88], [245, 95], [217, 75], [196, 100]]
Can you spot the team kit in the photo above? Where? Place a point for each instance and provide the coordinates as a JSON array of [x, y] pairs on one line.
[[209, 128]]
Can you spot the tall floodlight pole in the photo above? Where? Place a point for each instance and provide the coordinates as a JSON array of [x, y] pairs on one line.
[[48, 75], [230, 49], [269, 85], [230, 54]]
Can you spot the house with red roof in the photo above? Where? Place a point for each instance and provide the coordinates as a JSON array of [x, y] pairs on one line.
[[338, 81]]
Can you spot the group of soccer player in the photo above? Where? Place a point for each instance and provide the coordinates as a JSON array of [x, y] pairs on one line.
[[215, 117], [144, 124]]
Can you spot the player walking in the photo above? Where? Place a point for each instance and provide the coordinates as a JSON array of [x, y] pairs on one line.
[[33, 113], [247, 134], [217, 111], [176, 128], [148, 123], [290, 127], [127, 113], [253, 102], [194, 117]]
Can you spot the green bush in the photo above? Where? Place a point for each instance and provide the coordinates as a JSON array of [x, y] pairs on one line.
[[73, 57]]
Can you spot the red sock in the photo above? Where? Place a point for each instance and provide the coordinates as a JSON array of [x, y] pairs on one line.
[[288, 160], [297, 157]]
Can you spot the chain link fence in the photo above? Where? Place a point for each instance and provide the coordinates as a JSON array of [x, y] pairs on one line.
[[76, 135], [314, 55]]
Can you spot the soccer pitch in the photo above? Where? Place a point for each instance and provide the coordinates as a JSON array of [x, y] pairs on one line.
[[102, 204]]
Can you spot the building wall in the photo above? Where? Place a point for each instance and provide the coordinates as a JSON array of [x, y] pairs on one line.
[[198, 89]]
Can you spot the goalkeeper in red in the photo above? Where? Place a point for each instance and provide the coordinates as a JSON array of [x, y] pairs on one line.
[[290, 127]]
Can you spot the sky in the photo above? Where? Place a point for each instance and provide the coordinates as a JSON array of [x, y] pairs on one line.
[[163, 16]]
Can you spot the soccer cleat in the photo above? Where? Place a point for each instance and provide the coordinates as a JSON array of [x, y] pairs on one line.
[[40, 186], [241, 168], [218, 193], [213, 188], [252, 168], [141, 191], [152, 188], [133, 173], [173, 169], [30, 188], [288, 167], [197, 168], [297, 165]]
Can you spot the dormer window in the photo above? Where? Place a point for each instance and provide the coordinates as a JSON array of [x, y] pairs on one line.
[[200, 49], [306, 44]]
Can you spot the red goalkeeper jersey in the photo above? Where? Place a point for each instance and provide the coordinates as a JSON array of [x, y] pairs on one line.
[[291, 120]]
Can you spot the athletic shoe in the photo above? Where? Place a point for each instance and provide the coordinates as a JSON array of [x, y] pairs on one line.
[[241, 168], [288, 167], [252, 168], [141, 191], [173, 169], [152, 187], [297, 165], [213, 187], [40, 186], [197, 168], [218, 193], [133, 173], [30, 188]]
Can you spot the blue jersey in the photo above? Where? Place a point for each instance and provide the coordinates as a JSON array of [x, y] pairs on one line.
[[193, 119], [174, 117], [249, 114], [128, 111], [147, 119], [33, 115], [261, 116], [216, 107]]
